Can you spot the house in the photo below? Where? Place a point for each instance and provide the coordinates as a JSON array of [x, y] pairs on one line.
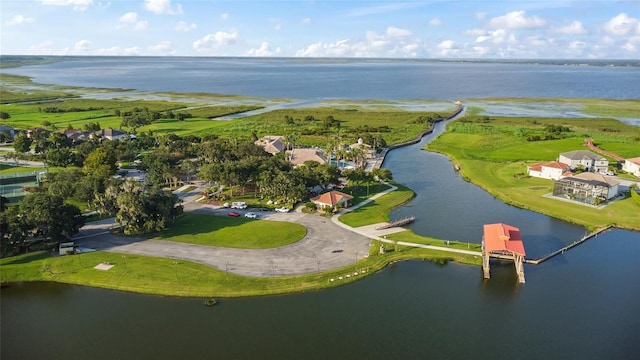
[[299, 156], [589, 188], [271, 144], [632, 166], [73, 134], [588, 160], [37, 132], [111, 134], [332, 199], [368, 151], [554, 170], [8, 131]]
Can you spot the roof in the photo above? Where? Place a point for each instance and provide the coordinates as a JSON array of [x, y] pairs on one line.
[[332, 198], [110, 132], [549, 164], [503, 237], [581, 155], [300, 156], [634, 160], [594, 179], [271, 144]]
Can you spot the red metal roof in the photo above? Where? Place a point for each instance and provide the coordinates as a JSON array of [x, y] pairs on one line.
[[332, 198], [503, 237]]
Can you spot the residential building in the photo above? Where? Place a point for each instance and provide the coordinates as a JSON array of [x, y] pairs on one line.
[[271, 144], [111, 134], [588, 160], [332, 199], [368, 151], [8, 131], [554, 170], [632, 166], [589, 188], [299, 156]]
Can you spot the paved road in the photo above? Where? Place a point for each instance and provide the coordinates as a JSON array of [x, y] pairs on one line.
[[328, 244]]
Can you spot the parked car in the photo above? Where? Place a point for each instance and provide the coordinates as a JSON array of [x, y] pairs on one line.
[[283, 209], [234, 214], [251, 215], [239, 205], [263, 209], [225, 205]]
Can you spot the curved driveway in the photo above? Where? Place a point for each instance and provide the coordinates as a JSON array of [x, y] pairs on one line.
[[326, 246]]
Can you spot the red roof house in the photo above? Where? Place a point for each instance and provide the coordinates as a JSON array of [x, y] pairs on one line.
[[332, 198], [503, 241]]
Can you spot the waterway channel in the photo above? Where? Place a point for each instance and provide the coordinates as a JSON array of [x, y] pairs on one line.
[[580, 305]]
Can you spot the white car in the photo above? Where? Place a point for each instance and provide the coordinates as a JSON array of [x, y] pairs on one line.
[[283, 209], [239, 205], [251, 215]]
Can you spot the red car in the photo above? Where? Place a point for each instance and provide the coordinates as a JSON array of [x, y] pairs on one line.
[[234, 214]]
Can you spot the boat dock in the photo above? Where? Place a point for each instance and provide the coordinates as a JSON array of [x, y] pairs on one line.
[[397, 223], [563, 249]]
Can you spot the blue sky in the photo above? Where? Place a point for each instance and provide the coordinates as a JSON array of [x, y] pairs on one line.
[[323, 28]]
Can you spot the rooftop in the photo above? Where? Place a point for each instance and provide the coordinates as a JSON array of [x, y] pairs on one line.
[[502, 237]]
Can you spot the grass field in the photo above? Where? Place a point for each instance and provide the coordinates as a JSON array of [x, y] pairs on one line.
[[161, 276], [494, 157], [378, 210], [233, 232]]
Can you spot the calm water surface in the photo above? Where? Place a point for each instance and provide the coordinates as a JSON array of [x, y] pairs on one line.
[[580, 305], [341, 78]]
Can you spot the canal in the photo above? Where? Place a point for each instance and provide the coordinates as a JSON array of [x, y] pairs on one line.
[[579, 305]]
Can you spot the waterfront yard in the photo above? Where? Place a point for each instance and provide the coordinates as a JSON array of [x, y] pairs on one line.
[[233, 232], [377, 211], [494, 155]]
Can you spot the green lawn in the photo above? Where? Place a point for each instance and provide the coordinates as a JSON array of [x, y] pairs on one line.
[[233, 232], [378, 210], [161, 276], [494, 156], [410, 236]]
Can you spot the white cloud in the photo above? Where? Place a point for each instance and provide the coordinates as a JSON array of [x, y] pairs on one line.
[[162, 47], [46, 48], [211, 42], [436, 22], [82, 45], [476, 32], [394, 42], [162, 7], [397, 32], [263, 50], [141, 25], [129, 18], [575, 28], [134, 50], [339, 48], [183, 26], [132, 18], [448, 48], [516, 20], [622, 24], [78, 5], [19, 19], [224, 16], [497, 36]]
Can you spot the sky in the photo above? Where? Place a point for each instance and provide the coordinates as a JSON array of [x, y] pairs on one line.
[[492, 29]]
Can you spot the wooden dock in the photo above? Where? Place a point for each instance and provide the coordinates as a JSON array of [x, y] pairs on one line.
[[563, 249], [396, 223]]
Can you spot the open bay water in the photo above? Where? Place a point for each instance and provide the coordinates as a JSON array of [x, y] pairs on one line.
[[580, 305], [383, 79]]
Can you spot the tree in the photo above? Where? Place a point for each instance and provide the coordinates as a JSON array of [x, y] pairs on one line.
[[140, 209], [21, 143], [4, 115], [3, 203], [101, 163], [383, 174], [50, 217], [60, 157], [63, 183]]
